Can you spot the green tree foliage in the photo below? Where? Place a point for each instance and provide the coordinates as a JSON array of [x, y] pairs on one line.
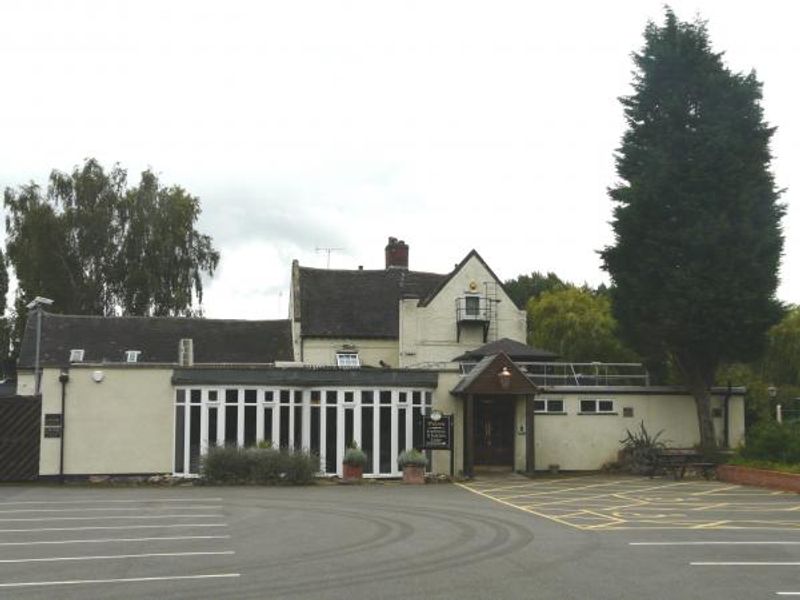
[[525, 287], [779, 367], [5, 322], [577, 325], [697, 218], [782, 357], [96, 246]]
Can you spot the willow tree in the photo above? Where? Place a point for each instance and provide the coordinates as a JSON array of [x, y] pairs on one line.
[[95, 245], [697, 218]]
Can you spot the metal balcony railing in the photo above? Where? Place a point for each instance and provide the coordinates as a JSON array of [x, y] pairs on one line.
[[580, 374]]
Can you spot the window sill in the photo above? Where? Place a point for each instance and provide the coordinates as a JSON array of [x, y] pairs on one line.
[[598, 414], [542, 412]]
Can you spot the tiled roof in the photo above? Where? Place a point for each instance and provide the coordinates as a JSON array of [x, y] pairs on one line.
[[105, 339], [515, 350], [358, 304]]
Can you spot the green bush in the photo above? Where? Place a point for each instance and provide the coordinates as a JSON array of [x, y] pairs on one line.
[[355, 457], [412, 457], [774, 442], [639, 450], [263, 466]]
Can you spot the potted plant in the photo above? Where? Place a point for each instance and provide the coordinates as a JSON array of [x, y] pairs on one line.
[[353, 463], [413, 463]]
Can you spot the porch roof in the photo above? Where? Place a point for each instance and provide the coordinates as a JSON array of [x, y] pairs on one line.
[[483, 378]]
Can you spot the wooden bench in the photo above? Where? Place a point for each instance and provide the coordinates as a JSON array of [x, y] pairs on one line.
[[678, 460]]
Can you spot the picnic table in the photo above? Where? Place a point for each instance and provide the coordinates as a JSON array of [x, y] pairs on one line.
[[678, 460]]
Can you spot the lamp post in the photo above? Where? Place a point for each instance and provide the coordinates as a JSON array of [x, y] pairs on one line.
[[37, 304]]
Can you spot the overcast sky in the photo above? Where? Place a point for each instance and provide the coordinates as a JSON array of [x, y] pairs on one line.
[[325, 124]]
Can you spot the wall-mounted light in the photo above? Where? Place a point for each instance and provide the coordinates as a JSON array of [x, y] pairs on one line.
[[505, 378]]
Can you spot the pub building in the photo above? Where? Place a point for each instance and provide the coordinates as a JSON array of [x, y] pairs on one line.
[[366, 356]]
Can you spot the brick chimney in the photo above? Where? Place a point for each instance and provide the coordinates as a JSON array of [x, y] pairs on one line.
[[396, 254]]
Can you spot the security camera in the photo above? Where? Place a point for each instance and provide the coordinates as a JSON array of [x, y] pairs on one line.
[[39, 301]]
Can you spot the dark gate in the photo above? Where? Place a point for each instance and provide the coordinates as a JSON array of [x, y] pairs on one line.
[[20, 421]]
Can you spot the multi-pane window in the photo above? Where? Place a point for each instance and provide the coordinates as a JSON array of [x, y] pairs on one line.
[[347, 359], [472, 305], [599, 405], [549, 405], [383, 422]]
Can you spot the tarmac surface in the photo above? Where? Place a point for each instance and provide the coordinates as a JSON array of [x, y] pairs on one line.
[[503, 537]]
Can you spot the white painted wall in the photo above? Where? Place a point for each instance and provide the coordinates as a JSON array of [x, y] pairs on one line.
[[322, 351], [123, 424], [429, 333]]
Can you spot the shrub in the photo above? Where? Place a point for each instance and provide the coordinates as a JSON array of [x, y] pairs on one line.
[[263, 466], [775, 442], [355, 457], [412, 457], [639, 449]]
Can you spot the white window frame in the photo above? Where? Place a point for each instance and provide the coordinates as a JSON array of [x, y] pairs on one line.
[[547, 408], [597, 410], [349, 360], [76, 355], [132, 356]]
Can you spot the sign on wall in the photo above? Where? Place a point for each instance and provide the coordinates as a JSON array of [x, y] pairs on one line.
[[437, 432], [52, 425]]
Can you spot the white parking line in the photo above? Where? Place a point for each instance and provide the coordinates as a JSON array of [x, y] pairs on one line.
[[110, 540], [114, 518], [113, 557], [99, 527], [128, 580], [89, 501], [716, 543], [745, 564], [105, 509]]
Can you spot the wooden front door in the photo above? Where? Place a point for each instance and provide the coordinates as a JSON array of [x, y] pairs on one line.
[[494, 431]]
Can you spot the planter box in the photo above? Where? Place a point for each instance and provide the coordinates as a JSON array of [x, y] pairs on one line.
[[787, 482], [413, 474], [352, 472]]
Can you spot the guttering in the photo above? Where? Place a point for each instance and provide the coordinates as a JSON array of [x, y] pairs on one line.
[[63, 378]]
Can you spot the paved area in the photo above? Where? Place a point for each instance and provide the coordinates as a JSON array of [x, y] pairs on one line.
[[393, 541], [603, 503]]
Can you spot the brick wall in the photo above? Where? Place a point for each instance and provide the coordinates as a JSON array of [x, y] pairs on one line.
[[787, 482]]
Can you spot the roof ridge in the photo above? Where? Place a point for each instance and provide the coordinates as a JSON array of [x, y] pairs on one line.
[[161, 318]]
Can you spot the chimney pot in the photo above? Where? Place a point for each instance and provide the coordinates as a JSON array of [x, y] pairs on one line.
[[396, 254]]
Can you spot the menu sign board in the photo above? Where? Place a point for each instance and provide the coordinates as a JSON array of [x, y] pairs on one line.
[[52, 425], [436, 433]]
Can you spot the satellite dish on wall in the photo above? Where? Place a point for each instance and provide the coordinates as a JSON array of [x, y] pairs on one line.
[[98, 376]]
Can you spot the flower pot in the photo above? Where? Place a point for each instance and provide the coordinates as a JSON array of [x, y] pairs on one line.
[[414, 474], [352, 472]]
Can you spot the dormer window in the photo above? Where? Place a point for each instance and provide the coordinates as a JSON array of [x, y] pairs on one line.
[[347, 359], [132, 356], [76, 355]]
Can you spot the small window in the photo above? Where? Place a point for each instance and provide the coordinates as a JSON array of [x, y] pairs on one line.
[[627, 411], [212, 395], [132, 356], [180, 396], [367, 397], [76, 355], [231, 396], [548, 405], [315, 397], [348, 396], [597, 406], [250, 396], [268, 397], [347, 359], [330, 397]]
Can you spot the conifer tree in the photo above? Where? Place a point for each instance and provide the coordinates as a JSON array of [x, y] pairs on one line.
[[697, 218]]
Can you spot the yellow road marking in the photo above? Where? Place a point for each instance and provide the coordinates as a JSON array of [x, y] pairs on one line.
[[533, 512]]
